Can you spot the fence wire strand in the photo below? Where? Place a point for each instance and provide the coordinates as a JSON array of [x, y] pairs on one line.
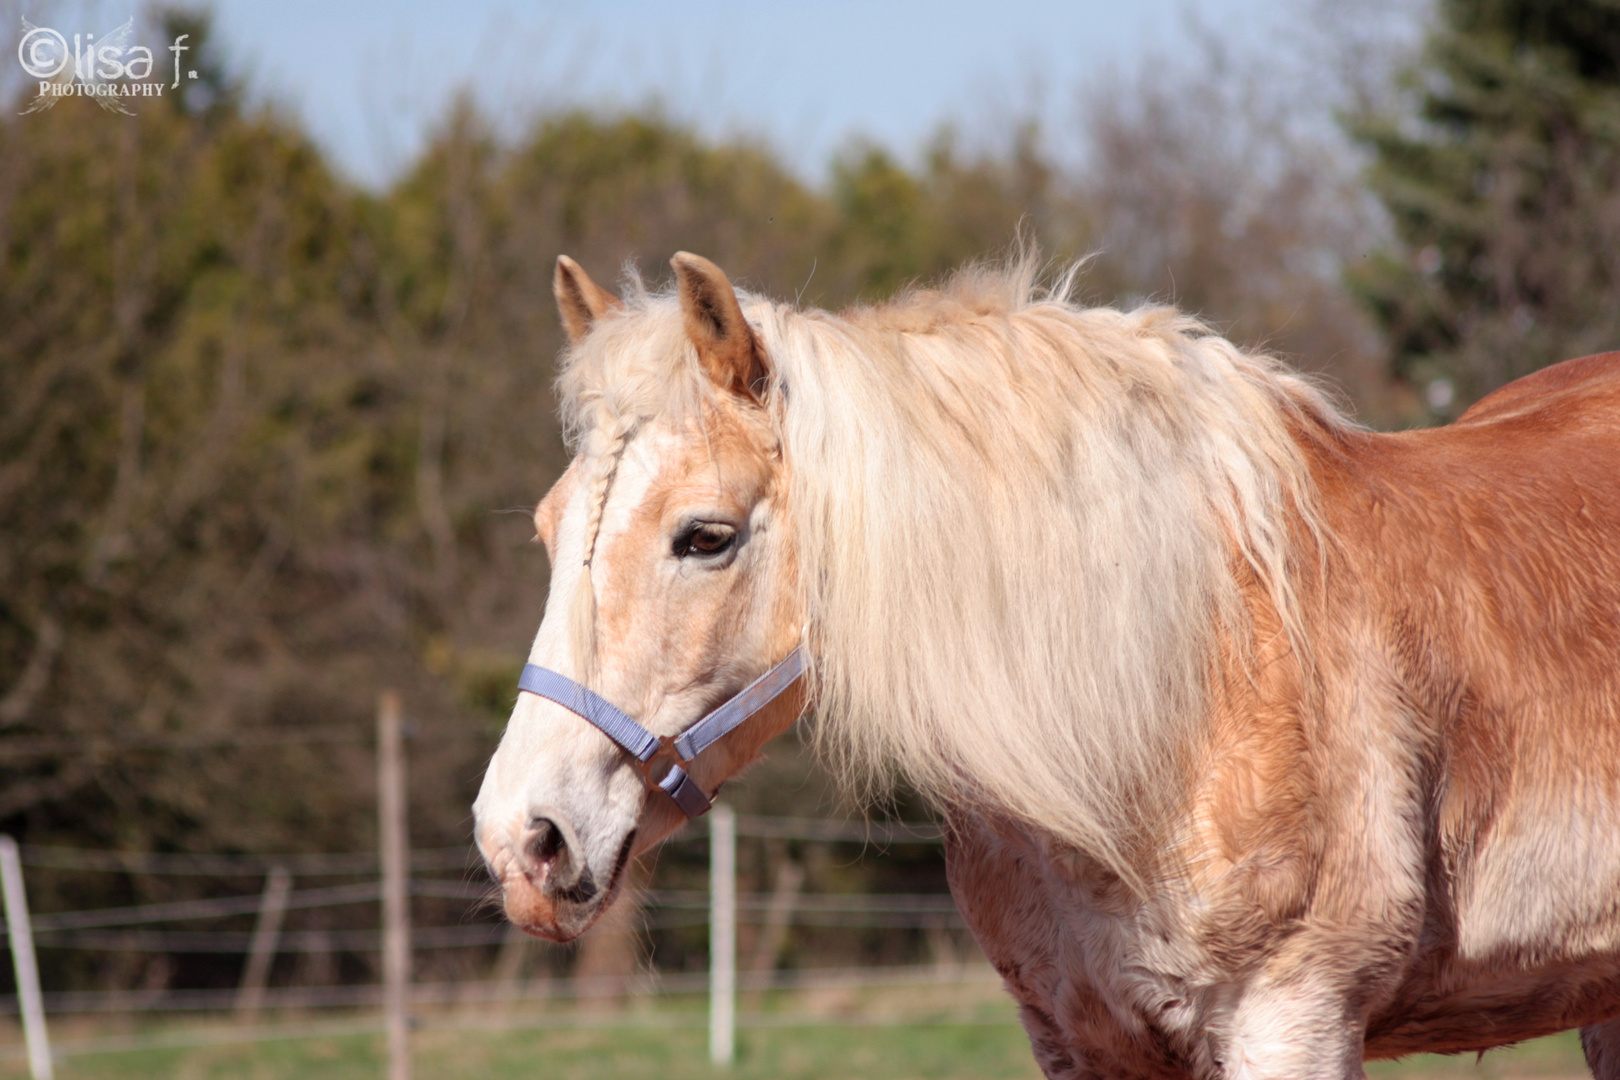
[[139, 928]]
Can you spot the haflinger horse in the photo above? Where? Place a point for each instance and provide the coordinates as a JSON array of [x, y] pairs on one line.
[[1265, 744]]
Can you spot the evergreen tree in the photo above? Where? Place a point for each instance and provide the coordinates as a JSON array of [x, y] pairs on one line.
[[1501, 181]]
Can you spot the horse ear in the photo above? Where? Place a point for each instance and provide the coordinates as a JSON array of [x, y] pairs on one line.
[[580, 301], [726, 345]]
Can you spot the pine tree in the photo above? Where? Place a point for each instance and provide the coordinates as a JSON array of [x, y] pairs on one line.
[[1502, 181]]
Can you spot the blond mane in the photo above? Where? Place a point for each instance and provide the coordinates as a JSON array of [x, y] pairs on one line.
[[1017, 517]]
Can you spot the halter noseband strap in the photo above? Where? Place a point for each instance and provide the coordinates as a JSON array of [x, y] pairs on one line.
[[643, 745]]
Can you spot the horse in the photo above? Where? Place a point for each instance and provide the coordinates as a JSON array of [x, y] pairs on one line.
[[1264, 744]]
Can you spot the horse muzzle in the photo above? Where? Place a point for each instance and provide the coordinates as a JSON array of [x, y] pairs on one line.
[[548, 886]]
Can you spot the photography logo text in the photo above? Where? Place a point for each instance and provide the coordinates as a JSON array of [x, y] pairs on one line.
[[105, 68]]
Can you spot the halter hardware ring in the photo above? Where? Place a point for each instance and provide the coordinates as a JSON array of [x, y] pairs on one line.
[[675, 776]]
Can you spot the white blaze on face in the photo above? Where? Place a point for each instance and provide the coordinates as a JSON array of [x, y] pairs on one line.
[[550, 761]]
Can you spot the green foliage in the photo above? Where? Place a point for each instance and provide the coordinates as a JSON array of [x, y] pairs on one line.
[[187, 479], [896, 228], [1503, 184]]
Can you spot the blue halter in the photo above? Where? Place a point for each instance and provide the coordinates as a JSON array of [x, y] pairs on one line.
[[643, 745]]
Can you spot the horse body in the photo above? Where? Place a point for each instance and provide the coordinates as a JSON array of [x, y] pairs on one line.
[[1266, 744], [1441, 874]]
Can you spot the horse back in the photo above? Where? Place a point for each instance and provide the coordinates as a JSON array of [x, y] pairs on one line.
[[1510, 516], [1590, 383]]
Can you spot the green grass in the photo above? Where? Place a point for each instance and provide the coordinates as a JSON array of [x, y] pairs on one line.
[[882, 1034], [945, 1051], [945, 1031], [1555, 1056]]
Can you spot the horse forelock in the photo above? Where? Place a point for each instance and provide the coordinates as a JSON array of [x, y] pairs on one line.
[[1018, 519]]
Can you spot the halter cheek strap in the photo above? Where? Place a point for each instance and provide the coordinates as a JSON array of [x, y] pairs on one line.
[[643, 745]]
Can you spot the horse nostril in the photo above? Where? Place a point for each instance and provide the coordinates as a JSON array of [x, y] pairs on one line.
[[551, 850], [545, 842]]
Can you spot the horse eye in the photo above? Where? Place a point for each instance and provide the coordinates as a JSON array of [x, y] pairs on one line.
[[704, 538]]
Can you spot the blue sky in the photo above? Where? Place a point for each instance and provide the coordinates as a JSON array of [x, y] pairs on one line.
[[369, 78]]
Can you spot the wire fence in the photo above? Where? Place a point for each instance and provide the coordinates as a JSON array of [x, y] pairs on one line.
[[149, 928], [71, 929], [663, 909], [389, 878], [304, 864], [572, 988], [19, 747]]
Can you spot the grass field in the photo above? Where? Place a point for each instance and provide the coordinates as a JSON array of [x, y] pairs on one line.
[[890, 1053], [943, 1032]]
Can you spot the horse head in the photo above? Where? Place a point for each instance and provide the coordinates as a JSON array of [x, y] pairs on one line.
[[674, 585]]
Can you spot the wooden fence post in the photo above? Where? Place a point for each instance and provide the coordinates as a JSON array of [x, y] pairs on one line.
[[722, 934], [22, 959], [395, 865], [262, 952]]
